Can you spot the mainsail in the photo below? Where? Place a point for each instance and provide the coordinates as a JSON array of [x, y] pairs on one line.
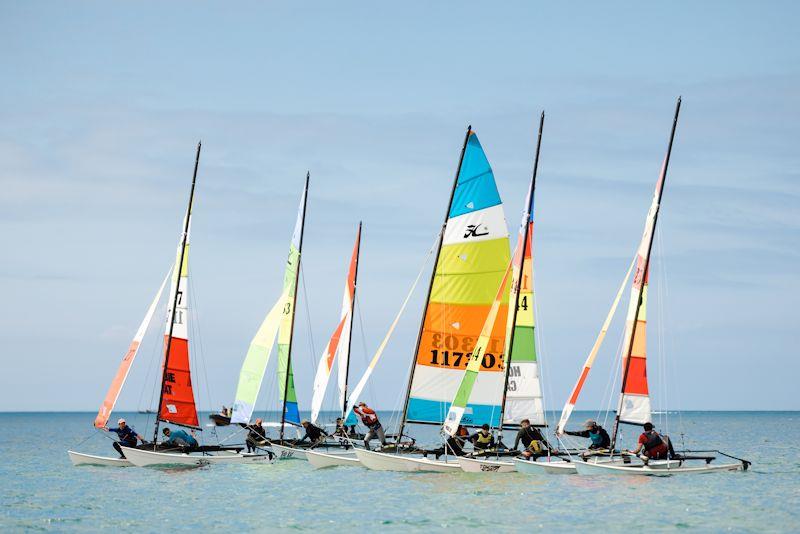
[[339, 344], [176, 403], [288, 395], [634, 402], [125, 366], [523, 392], [473, 255], [461, 400]]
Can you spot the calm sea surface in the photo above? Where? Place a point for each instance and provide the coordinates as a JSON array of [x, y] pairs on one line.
[[41, 490]]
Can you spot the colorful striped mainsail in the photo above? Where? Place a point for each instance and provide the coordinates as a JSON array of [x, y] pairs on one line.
[[634, 401], [125, 366], [523, 385], [461, 400], [339, 344], [288, 395], [473, 256]]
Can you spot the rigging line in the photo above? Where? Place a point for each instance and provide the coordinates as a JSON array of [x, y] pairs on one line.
[[308, 317], [202, 353], [365, 354], [537, 324]]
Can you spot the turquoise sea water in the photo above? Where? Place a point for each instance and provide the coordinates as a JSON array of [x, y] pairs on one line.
[[41, 490]]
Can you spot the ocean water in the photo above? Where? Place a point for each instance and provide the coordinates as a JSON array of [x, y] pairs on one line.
[[41, 490]]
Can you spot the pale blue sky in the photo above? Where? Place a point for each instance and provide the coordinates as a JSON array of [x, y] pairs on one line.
[[102, 104]]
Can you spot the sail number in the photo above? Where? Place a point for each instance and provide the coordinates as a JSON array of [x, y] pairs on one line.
[[446, 358]]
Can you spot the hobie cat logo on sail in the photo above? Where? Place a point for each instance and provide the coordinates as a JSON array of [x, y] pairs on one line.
[[473, 230]]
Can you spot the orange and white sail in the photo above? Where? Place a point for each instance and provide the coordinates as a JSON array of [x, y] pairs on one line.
[[127, 361], [339, 343], [587, 366]]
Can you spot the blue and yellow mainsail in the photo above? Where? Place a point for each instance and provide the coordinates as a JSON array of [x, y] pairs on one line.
[[474, 256]]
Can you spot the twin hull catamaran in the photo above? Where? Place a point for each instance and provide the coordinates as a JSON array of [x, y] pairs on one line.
[[634, 407], [466, 324], [176, 403]]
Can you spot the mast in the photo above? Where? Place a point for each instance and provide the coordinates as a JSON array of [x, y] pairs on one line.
[[350, 337], [524, 244], [294, 307], [184, 237], [430, 285], [645, 271]]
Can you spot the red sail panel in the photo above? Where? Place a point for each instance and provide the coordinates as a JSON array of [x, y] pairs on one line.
[[177, 405]]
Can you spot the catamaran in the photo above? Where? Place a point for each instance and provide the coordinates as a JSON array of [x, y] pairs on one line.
[[472, 256], [176, 401], [279, 323], [634, 406]]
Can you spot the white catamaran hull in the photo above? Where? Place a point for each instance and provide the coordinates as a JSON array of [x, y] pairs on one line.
[[548, 466], [78, 458], [321, 460], [482, 465], [663, 469], [380, 461], [143, 458], [282, 452]]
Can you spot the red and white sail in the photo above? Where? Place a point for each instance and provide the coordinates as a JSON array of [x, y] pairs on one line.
[[177, 399], [127, 361], [339, 343]]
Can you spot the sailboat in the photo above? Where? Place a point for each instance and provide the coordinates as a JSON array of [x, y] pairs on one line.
[[176, 403], [114, 389], [472, 256], [523, 398], [337, 351], [634, 406], [279, 323]]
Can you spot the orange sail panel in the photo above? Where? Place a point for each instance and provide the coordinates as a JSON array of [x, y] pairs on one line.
[[177, 399], [124, 368]]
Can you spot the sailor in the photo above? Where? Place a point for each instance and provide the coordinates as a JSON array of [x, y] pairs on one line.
[[531, 438], [370, 420], [596, 433], [454, 444], [127, 436], [256, 437], [179, 438], [483, 439], [313, 433], [652, 446]]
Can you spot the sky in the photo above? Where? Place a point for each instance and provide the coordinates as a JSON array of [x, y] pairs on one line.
[[101, 107]]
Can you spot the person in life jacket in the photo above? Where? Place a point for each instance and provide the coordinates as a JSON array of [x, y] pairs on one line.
[[370, 420], [482, 439], [652, 446], [127, 436], [454, 444], [179, 438], [596, 433], [531, 438], [256, 436]]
